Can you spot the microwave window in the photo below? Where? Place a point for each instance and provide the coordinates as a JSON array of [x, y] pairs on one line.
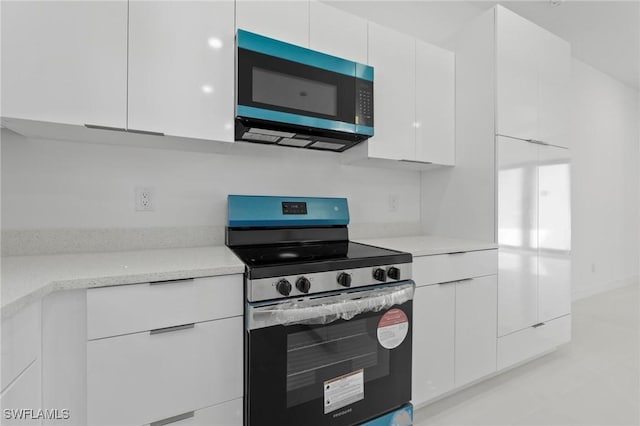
[[292, 92]]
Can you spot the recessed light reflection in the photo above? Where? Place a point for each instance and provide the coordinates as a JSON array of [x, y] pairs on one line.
[[207, 89], [215, 43]]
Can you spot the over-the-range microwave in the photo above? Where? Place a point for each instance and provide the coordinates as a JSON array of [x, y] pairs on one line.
[[292, 96]]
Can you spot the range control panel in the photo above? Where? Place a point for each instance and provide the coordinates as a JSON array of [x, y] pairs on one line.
[[321, 282]]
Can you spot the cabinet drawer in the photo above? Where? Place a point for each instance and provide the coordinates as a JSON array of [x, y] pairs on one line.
[[454, 266], [226, 414], [113, 311], [141, 378], [20, 342], [24, 393], [532, 341]]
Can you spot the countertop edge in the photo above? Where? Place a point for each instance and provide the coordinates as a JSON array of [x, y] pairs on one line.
[[11, 308]]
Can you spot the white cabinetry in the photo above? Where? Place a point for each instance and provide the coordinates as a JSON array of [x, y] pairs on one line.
[[414, 92], [392, 56], [533, 70], [181, 76], [433, 341], [534, 233], [24, 393], [174, 355], [435, 105], [287, 21], [476, 312], [21, 364], [454, 324], [337, 33], [65, 62]]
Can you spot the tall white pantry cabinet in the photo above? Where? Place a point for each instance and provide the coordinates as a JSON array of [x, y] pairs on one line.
[[520, 72]]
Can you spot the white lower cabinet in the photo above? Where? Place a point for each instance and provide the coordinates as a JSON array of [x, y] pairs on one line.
[[144, 378], [433, 341], [226, 414], [454, 322], [476, 319], [21, 400], [533, 341]]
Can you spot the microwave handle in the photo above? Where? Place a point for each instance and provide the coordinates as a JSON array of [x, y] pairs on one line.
[[324, 310]]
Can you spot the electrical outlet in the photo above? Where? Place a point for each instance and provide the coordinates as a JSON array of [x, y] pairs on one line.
[[145, 201], [394, 203]]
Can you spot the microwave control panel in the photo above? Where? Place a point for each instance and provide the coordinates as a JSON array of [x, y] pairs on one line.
[[364, 103]]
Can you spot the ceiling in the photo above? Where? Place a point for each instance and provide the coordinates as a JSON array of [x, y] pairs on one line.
[[604, 34]]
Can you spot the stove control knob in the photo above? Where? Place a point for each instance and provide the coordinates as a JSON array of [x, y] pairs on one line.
[[303, 284], [344, 279], [393, 273], [283, 287], [380, 274]]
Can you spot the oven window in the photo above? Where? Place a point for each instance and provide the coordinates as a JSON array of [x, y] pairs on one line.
[[322, 353], [293, 92]]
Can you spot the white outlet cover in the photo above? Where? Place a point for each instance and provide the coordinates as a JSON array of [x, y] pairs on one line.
[[144, 198]]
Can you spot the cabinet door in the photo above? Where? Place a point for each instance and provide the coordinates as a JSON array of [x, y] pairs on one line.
[[283, 20], [337, 33], [433, 341], [65, 62], [554, 233], [475, 342], [392, 55], [554, 72], [181, 75], [517, 42], [435, 104], [21, 337], [517, 235], [24, 393]]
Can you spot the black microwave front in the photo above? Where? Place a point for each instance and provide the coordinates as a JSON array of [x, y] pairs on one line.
[[293, 96]]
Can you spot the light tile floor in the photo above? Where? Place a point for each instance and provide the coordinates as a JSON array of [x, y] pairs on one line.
[[594, 380]]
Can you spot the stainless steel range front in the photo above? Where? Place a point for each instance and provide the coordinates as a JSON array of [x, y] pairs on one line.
[[328, 321]]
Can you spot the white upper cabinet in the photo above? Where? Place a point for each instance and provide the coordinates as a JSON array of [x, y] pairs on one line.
[[554, 73], [65, 62], [286, 21], [337, 33], [517, 75], [435, 104], [181, 74], [392, 54], [533, 71]]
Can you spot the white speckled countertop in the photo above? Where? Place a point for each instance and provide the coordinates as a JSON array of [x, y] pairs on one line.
[[29, 278], [426, 245]]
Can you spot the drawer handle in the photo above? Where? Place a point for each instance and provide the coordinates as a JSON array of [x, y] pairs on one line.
[[415, 161], [456, 252], [98, 127], [537, 325], [145, 132], [178, 281], [465, 280], [170, 329], [448, 282], [173, 419]]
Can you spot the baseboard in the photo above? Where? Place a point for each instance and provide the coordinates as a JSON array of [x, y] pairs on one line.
[[598, 288]]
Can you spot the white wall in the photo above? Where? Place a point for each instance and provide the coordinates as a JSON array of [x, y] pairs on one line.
[[605, 193], [57, 184]]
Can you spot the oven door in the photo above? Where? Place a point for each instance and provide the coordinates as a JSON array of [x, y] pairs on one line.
[[280, 82], [335, 360]]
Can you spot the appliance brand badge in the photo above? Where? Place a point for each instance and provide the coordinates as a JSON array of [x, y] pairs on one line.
[[342, 413]]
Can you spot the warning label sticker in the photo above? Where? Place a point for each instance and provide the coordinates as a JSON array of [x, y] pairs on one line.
[[393, 328], [343, 390]]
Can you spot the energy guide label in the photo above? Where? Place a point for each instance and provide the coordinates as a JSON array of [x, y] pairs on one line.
[[393, 328], [343, 390]]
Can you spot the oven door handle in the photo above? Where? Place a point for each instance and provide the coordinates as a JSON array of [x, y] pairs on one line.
[[327, 309]]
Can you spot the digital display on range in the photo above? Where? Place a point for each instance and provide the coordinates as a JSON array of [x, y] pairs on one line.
[[292, 207]]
